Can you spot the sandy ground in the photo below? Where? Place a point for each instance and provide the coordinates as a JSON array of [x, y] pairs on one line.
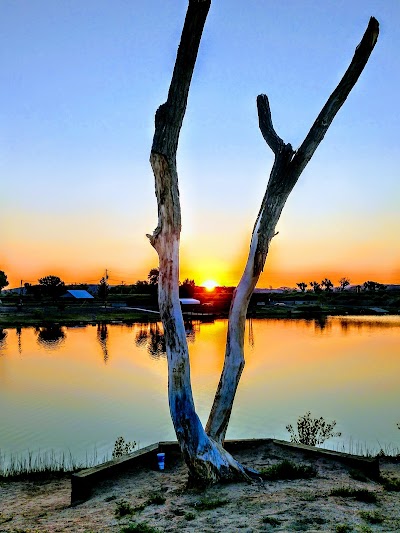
[[299, 505]]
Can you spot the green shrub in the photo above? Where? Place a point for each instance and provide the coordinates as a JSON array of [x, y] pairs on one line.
[[390, 483], [206, 504], [361, 495], [122, 447], [140, 527], [123, 508], [372, 517], [156, 498], [272, 521], [190, 516], [288, 470], [343, 528], [312, 431]]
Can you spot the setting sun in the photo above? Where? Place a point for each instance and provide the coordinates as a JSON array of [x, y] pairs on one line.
[[210, 284]]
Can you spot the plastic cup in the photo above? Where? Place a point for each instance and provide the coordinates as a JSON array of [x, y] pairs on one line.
[[161, 460]]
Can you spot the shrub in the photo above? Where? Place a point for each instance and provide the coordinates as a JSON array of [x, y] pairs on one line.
[[288, 470], [372, 517], [361, 495], [272, 521], [123, 508], [206, 504], [312, 431], [156, 498], [343, 528], [390, 483], [140, 527], [122, 447]]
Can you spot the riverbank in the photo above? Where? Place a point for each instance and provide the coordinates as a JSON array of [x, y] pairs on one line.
[[162, 501]]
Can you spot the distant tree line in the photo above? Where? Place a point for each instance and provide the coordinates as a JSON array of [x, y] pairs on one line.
[[327, 286]]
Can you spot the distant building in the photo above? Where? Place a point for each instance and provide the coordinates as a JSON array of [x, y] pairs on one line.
[[77, 295]]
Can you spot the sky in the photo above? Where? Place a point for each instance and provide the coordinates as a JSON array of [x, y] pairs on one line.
[[80, 83]]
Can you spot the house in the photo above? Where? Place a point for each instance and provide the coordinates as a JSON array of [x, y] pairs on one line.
[[77, 295]]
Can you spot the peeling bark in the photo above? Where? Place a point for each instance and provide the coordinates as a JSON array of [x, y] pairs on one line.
[[202, 448]]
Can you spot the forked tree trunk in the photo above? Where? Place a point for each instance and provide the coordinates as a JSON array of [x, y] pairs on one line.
[[202, 448]]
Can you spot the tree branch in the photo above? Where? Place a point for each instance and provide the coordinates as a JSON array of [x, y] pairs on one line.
[[337, 99], [265, 122]]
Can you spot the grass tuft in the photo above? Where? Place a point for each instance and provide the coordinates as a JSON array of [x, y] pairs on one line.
[[272, 521], [140, 527], [361, 495], [156, 498], [206, 504], [123, 508], [372, 517], [390, 483], [343, 528], [288, 470]]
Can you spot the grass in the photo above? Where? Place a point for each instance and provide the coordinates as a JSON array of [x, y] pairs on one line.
[[42, 464], [206, 504], [372, 517], [140, 527], [343, 528], [156, 498], [361, 495], [123, 508], [270, 520], [288, 470], [390, 483]]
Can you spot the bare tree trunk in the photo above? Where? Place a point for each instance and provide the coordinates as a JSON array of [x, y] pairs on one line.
[[288, 166], [202, 449]]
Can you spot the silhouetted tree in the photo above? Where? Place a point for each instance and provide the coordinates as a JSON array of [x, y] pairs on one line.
[[302, 286], [52, 286], [202, 448], [3, 280], [102, 290], [344, 282], [327, 284], [153, 276], [315, 286], [50, 336], [186, 290]]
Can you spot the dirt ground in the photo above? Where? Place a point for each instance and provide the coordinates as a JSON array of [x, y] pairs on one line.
[[298, 505]]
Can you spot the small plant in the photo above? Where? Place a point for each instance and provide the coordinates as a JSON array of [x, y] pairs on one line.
[[288, 470], [140, 527], [156, 498], [361, 495], [343, 528], [110, 498], [272, 521], [122, 447], [206, 504], [190, 516], [358, 475], [372, 517], [390, 483], [312, 431], [123, 508]]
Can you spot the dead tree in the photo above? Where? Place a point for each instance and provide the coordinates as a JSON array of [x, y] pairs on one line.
[[203, 448]]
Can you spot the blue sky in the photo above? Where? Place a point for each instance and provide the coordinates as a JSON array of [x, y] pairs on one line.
[[80, 83]]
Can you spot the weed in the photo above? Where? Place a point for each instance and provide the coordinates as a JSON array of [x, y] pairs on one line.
[[156, 498], [190, 516], [390, 483], [288, 470], [271, 521], [358, 475], [110, 498], [372, 517], [140, 527], [123, 508], [122, 447], [312, 431], [206, 504], [361, 495], [343, 528]]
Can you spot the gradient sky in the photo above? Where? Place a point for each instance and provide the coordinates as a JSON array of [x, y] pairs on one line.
[[79, 85]]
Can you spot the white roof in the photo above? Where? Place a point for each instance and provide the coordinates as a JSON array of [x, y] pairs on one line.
[[189, 301]]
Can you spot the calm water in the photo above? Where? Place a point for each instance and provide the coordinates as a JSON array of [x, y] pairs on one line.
[[75, 389]]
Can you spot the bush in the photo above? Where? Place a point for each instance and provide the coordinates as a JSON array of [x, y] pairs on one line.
[[372, 517], [288, 470], [361, 495], [206, 504], [123, 508], [312, 431], [122, 447]]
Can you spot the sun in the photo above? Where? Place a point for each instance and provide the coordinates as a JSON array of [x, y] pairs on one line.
[[210, 284]]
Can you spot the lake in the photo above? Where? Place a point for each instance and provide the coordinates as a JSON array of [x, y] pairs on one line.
[[77, 389]]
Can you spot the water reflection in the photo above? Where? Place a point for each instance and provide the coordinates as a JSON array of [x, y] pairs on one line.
[[19, 341], [102, 337], [151, 337], [50, 337], [3, 336]]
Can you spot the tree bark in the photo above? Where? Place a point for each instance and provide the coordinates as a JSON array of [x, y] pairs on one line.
[[207, 460], [288, 165], [202, 449]]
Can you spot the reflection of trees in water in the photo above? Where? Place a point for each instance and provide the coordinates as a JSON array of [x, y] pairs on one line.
[[152, 337], [19, 331], [3, 336], [102, 337], [346, 324], [50, 336]]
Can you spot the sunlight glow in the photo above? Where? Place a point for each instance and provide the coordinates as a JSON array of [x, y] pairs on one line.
[[210, 284]]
